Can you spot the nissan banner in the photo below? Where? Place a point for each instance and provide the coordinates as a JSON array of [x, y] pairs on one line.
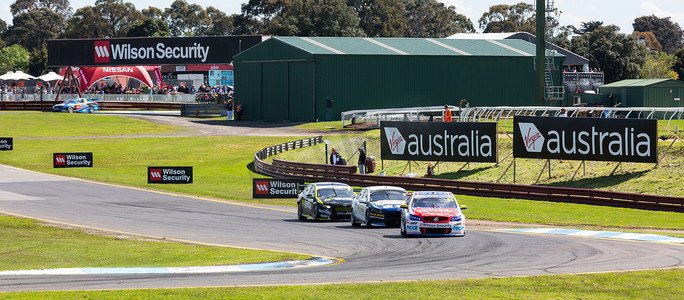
[[624, 140], [148, 50], [275, 188], [438, 141]]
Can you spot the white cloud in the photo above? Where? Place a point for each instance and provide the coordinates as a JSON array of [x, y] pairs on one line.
[[5, 15], [648, 8]]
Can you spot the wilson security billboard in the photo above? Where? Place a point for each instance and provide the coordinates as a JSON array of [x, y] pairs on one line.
[[438, 141], [148, 51], [597, 139]]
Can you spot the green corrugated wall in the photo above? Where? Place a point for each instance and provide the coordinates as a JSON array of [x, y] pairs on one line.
[[368, 82]]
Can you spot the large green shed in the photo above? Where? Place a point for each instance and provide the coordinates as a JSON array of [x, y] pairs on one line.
[[646, 92], [317, 78]]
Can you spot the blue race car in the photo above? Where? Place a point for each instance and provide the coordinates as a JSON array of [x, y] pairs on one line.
[[81, 105], [379, 206]]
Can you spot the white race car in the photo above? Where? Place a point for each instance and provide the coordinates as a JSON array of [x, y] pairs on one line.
[[432, 214]]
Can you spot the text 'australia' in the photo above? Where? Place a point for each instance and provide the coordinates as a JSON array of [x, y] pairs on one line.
[[446, 144]]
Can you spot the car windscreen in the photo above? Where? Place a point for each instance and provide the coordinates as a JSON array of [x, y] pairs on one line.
[[335, 192], [387, 195], [434, 202]]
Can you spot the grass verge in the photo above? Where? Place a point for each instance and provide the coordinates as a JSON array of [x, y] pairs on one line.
[[660, 284], [39, 124], [28, 244]]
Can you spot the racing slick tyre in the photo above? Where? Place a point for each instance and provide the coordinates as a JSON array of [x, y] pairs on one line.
[[315, 213], [368, 220], [300, 216], [354, 223], [402, 225], [91, 109], [70, 110]]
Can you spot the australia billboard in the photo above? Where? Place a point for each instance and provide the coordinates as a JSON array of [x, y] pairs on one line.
[[595, 139], [438, 141]]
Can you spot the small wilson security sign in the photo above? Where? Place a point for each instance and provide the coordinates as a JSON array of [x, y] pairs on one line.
[[275, 188], [6, 143], [596, 139], [177, 175], [72, 160]]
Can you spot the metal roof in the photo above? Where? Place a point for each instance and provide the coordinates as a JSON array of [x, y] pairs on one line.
[[571, 58], [409, 46], [640, 82]]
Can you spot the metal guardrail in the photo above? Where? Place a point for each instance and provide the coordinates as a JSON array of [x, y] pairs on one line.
[[174, 98], [103, 105], [347, 174]]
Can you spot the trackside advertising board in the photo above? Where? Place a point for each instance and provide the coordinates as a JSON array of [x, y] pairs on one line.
[[596, 139], [148, 50], [169, 175], [438, 141], [6, 143], [72, 160], [275, 188]]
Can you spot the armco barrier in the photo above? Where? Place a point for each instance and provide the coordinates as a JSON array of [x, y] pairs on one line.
[[103, 105], [347, 174]]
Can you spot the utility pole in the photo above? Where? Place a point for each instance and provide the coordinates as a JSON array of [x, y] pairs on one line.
[[541, 51]]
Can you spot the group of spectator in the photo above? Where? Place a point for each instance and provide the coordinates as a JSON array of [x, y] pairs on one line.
[[568, 69]]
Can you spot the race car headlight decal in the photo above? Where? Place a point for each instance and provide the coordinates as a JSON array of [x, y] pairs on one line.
[[456, 218], [414, 217]]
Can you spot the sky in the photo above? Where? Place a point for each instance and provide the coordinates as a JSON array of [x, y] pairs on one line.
[[574, 12]]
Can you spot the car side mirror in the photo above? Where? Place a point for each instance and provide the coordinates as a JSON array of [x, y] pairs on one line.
[[463, 207], [404, 206]]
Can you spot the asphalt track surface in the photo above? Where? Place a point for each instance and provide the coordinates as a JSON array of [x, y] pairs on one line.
[[366, 255]]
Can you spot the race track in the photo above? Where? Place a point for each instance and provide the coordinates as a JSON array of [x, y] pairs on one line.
[[369, 255]]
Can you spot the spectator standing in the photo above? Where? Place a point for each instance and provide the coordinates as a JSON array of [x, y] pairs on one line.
[[362, 161], [238, 111], [446, 116], [229, 109], [563, 112], [334, 157]]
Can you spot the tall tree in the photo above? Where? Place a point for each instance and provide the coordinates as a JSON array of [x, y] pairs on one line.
[[298, 17], [509, 18], [37, 64], [650, 40], [13, 58], [668, 33], [149, 27], [32, 29], [619, 55], [221, 24], [3, 29], [87, 22], [108, 18], [120, 16], [153, 12], [60, 7], [257, 15], [678, 65], [380, 18], [431, 19], [187, 19], [659, 65], [588, 27]]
